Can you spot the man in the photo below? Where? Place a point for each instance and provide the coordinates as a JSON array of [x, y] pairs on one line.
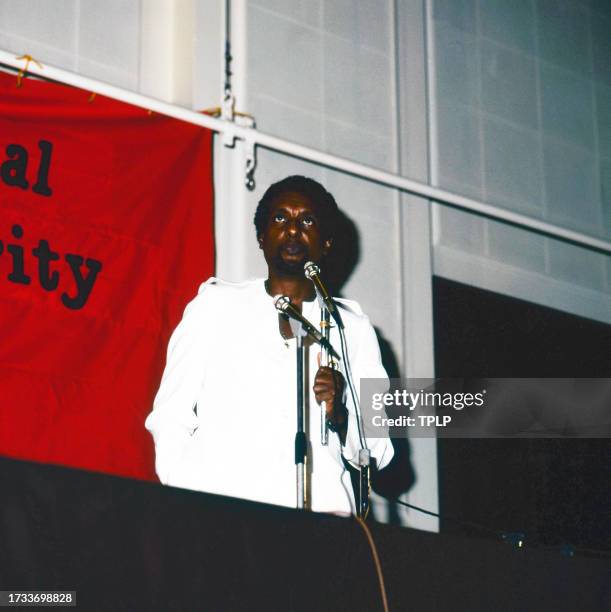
[[224, 419]]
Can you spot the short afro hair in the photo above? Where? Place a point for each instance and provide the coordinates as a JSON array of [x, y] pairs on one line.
[[308, 187]]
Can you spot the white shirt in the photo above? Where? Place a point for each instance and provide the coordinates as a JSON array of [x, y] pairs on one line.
[[224, 418]]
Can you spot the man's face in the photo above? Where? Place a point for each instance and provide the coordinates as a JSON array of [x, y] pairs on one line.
[[293, 234]]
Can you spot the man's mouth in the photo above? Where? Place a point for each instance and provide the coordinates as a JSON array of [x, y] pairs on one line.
[[293, 248]]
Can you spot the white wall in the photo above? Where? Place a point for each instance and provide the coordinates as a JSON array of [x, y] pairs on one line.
[[98, 39], [520, 112], [141, 45]]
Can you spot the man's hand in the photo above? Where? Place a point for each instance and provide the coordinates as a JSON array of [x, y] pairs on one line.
[[329, 387]]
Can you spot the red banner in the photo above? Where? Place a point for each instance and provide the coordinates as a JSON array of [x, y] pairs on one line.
[[106, 231]]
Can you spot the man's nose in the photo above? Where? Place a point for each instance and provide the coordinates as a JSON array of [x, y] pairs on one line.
[[293, 227]]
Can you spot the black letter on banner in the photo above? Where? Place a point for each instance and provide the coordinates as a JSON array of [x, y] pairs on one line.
[[42, 180], [13, 170], [83, 285], [18, 274], [48, 280]]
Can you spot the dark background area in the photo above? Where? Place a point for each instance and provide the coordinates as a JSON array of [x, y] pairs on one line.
[[556, 491]]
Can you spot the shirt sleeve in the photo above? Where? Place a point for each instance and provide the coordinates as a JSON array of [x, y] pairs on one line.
[[366, 362], [173, 419]]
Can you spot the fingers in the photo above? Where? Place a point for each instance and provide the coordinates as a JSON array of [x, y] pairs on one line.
[[328, 384], [327, 378], [325, 395], [324, 390], [327, 371]]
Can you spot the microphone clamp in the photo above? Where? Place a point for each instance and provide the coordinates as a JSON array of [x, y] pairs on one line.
[[284, 305]]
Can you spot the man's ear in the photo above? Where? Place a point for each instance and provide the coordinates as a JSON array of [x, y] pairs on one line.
[[327, 244], [260, 241]]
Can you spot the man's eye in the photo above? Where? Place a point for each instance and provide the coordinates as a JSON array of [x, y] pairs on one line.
[[308, 221], [278, 218]]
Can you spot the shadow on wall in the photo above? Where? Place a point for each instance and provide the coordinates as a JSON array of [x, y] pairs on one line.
[[344, 256], [398, 477]]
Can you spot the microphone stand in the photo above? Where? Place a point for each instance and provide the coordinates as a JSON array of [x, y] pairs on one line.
[[301, 327], [329, 309], [301, 442], [364, 474], [325, 323]]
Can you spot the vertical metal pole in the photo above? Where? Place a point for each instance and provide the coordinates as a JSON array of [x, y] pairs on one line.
[[325, 322], [300, 437], [364, 463]]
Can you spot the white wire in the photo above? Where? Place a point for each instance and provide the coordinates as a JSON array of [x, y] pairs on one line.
[[350, 381]]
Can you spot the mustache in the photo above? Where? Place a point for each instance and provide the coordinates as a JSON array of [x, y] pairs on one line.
[[293, 245]]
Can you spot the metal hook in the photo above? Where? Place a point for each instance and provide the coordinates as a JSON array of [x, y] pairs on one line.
[[227, 114], [22, 72], [251, 164]]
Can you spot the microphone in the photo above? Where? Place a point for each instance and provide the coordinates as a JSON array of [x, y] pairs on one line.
[[312, 272], [283, 304]]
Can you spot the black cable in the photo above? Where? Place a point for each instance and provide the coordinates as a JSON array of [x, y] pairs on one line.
[[355, 401], [462, 522], [499, 534]]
